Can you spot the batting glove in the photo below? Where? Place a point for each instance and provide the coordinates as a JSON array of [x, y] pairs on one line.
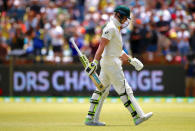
[[136, 63], [91, 67]]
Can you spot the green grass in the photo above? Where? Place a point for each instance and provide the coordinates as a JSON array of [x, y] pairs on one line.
[[70, 117]]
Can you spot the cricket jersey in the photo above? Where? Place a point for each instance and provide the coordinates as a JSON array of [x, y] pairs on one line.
[[112, 32]]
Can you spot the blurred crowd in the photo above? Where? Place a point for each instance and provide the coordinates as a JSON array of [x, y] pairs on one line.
[[160, 30]]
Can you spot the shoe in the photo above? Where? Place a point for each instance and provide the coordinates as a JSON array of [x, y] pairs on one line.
[[98, 123], [140, 120], [90, 122]]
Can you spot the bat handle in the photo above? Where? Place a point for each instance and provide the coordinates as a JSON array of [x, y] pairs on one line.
[[75, 46]]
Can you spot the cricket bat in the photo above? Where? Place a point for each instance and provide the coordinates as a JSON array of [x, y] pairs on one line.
[[94, 77]]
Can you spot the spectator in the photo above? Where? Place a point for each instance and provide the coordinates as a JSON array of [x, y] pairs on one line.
[[80, 43], [163, 44], [183, 44], [3, 5], [17, 40], [145, 38], [17, 43], [70, 15], [162, 26], [3, 49], [38, 42], [35, 7], [135, 40], [57, 39], [17, 10], [192, 39], [153, 39], [95, 41], [28, 42], [174, 43], [51, 11]]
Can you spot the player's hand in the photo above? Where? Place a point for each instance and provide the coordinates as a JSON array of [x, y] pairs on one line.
[[124, 58], [91, 67], [136, 63]]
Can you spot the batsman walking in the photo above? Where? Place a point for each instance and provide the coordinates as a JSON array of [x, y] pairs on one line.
[[111, 56]]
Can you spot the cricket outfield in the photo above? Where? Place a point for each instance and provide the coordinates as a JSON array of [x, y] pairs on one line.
[[69, 116]]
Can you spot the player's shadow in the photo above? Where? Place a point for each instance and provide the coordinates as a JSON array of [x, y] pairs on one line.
[[117, 125], [106, 125]]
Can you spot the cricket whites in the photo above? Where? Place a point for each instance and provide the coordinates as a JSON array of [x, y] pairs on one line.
[[94, 77]]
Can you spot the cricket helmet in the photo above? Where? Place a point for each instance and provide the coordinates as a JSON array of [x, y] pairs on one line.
[[123, 10]]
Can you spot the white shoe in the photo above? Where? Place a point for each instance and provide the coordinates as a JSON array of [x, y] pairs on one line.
[[140, 120], [90, 122], [98, 123]]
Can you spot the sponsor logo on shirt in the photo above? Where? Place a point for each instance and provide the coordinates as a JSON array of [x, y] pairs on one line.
[[106, 32]]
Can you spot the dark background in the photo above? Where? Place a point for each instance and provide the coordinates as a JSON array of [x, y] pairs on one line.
[[172, 80]]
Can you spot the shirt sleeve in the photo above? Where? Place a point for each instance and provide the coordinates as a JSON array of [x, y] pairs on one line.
[[108, 33]]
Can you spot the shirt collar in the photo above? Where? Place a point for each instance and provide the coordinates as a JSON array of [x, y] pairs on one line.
[[115, 21]]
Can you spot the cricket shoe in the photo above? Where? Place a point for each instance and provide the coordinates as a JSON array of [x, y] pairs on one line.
[[91, 122], [140, 120]]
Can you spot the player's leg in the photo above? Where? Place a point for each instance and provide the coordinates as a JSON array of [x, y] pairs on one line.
[[134, 103], [93, 103], [101, 101], [135, 112], [121, 86], [140, 115], [96, 103], [127, 103], [131, 104], [118, 80]]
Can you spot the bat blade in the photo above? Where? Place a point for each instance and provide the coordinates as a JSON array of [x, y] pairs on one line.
[[94, 77]]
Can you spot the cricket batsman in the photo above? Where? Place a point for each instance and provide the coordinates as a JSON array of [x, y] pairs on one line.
[[111, 56]]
